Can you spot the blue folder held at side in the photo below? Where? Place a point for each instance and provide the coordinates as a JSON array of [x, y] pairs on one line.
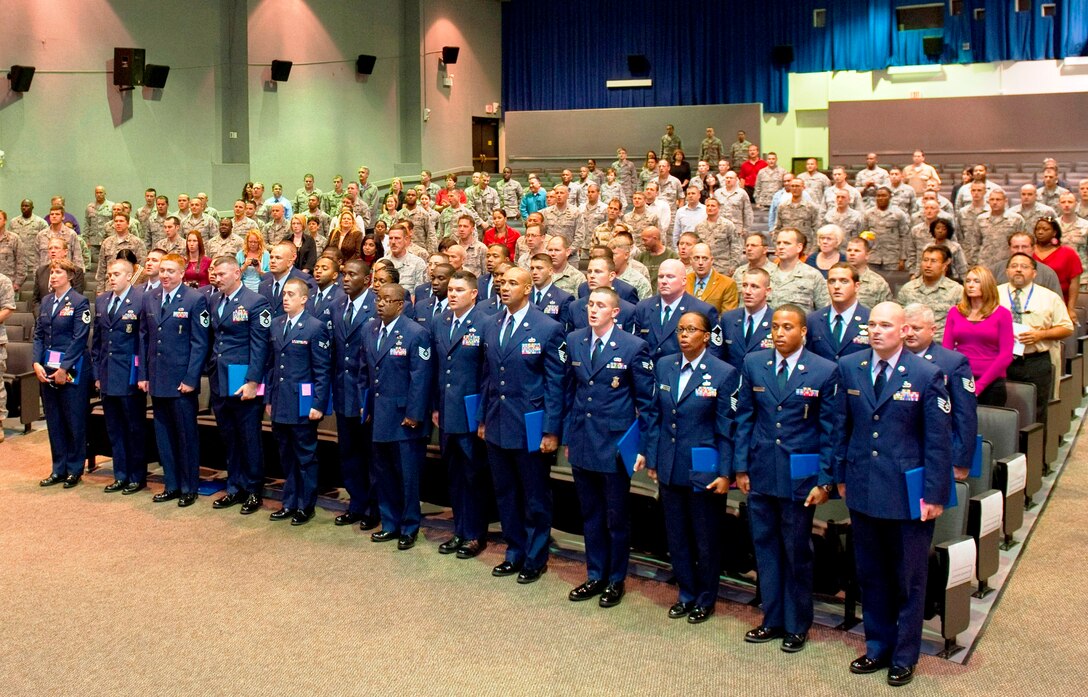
[[134, 371], [236, 376], [803, 466], [916, 479], [628, 447], [534, 430], [704, 468], [305, 399], [472, 403], [976, 461]]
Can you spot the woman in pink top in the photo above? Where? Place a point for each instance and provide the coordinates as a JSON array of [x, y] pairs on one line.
[[981, 329]]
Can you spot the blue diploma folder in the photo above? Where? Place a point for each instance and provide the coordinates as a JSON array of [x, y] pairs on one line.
[[534, 430], [305, 399], [803, 466], [704, 467], [134, 371], [472, 404], [976, 461], [916, 479], [628, 447]]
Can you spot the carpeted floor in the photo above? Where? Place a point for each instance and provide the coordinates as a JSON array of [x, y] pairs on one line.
[[108, 594]]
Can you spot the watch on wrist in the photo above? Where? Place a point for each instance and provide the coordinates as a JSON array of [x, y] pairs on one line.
[[828, 488]]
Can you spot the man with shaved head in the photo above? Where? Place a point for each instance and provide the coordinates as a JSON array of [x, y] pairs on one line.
[[894, 468], [281, 268], [1029, 208], [520, 419], [656, 316]]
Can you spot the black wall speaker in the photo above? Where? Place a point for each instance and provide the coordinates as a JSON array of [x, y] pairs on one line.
[[281, 70], [638, 65], [782, 55], [155, 75], [128, 66], [364, 64], [449, 54], [21, 76], [933, 46]]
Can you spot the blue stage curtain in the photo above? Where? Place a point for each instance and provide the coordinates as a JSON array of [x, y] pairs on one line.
[[1073, 28]]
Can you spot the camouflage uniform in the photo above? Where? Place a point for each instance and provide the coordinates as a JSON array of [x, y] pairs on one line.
[[804, 286], [939, 298], [726, 246]]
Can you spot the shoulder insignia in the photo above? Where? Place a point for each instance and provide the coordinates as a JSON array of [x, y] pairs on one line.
[[969, 385], [945, 405], [562, 352], [266, 318], [716, 335], [204, 318], [648, 365], [424, 353], [323, 344], [86, 317]]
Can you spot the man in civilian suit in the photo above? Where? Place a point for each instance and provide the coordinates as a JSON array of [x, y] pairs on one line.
[[896, 420], [459, 364], [958, 380], [299, 366], [350, 316], [748, 328], [707, 284], [173, 348], [398, 364], [611, 379], [789, 407], [114, 351], [281, 268], [240, 324], [656, 317], [525, 360], [842, 327], [601, 273]]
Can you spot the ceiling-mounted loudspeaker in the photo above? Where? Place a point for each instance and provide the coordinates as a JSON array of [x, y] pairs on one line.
[[155, 75], [449, 54], [21, 77], [638, 65], [364, 64], [782, 55], [128, 67], [281, 70], [933, 46]]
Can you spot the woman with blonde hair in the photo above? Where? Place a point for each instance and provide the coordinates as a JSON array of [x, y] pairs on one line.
[[253, 259], [346, 237], [305, 245], [980, 328]]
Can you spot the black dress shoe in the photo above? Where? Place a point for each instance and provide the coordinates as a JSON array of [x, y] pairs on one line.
[[406, 541], [368, 523], [114, 486], [301, 517], [252, 505], [384, 536], [132, 488], [281, 514], [348, 518], [531, 575], [899, 675], [863, 665], [229, 500], [51, 480], [680, 610], [71, 480], [470, 549], [762, 634], [792, 643], [613, 594], [451, 545], [507, 568], [700, 614], [187, 500], [590, 589], [165, 496]]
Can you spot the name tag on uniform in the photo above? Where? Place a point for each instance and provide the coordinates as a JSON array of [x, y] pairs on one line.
[[240, 315], [530, 348], [704, 391], [807, 392], [66, 311], [470, 340], [855, 393], [757, 388], [398, 351], [905, 395], [300, 342], [129, 315], [181, 314], [664, 388], [575, 364]]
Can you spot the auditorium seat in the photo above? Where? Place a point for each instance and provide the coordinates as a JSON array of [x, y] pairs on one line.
[[1021, 398], [999, 426], [20, 326], [24, 390], [950, 600], [984, 519]]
